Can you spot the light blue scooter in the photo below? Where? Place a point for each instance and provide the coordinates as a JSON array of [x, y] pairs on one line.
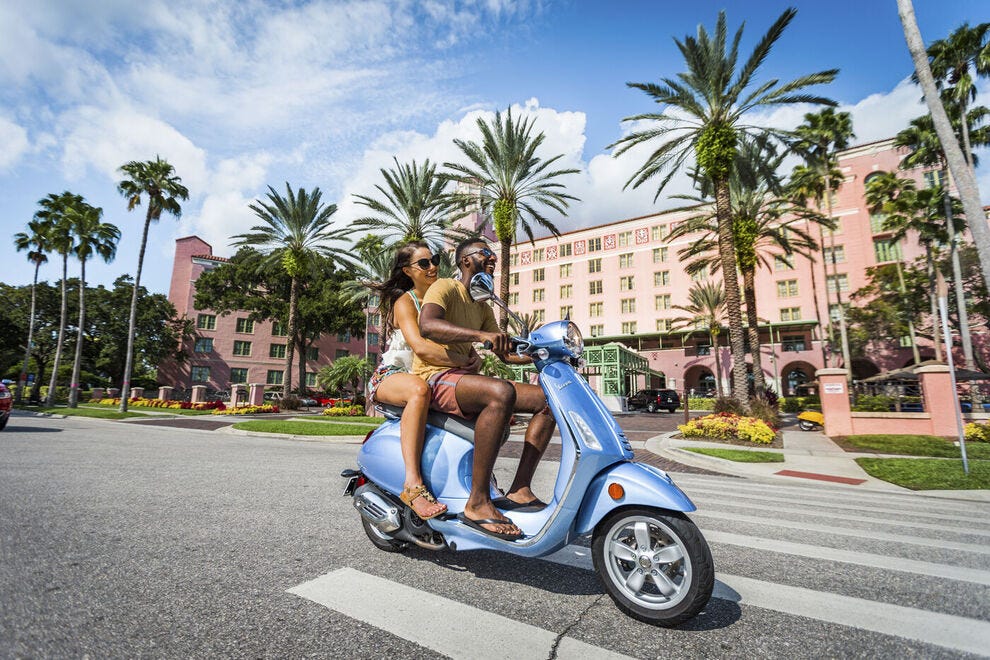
[[651, 558]]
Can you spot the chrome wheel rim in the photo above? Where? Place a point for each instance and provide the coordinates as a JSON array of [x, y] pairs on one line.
[[647, 562]]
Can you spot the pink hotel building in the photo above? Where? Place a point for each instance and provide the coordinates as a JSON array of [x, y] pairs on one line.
[[620, 282]]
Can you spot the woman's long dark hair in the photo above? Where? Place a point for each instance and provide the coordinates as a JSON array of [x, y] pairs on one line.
[[397, 284]]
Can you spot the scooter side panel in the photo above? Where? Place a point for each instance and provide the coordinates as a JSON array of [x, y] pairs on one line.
[[644, 485]]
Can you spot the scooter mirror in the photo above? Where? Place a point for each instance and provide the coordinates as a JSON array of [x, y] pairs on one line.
[[482, 287]]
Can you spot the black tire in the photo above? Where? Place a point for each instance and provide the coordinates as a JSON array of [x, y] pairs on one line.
[[806, 425], [629, 539], [3, 422], [671, 410], [651, 407], [381, 540]]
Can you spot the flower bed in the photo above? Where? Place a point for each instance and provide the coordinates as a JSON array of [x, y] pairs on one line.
[[728, 427], [158, 403], [976, 432], [344, 411], [248, 410]]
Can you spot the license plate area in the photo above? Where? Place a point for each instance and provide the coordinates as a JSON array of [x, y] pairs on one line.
[[350, 487]]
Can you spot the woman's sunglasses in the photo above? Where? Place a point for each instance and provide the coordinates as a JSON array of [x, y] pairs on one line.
[[424, 264]]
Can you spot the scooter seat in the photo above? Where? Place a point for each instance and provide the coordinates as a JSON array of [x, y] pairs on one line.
[[459, 426]]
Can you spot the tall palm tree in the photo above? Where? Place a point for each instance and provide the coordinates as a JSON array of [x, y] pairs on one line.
[[820, 137], [706, 311], [156, 180], [411, 206], [54, 210], [37, 243], [703, 115], [963, 174], [92, 237], [296, 229], [513, 184]]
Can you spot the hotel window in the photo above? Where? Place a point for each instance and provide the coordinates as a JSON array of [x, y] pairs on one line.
[[833, 232], [372, 341], [200, 374], [877, 221], [595, 266], [887, 250], [625, 238], [790, 313], [699, 276], [905, 341], [839, 251], [566, 270], [245, 325], [792, 343], [783, 262], [628, 305], [514, 259], [626, 283], [933, 178], [238, 375], [374, 300], [842, 279], [626, 260], [276, 351], [204, 345], [273, 377], [594, 287], [539, 295], [663, 325], [242, 348], [659, 255], [341, 353], [310, 379], [539, 275], [833, 311], [629, 328], [537, 255], [566, 311], [206, 322], [661, 278], [596, 330], [375, 320], [313, 353], [596, 309], [661, 302], [787, 288], [278, 330], [513, 298], [566, 290], [659, 232], [595, 244], [344, 337], [539, 316], [565, 250], [513, 279]]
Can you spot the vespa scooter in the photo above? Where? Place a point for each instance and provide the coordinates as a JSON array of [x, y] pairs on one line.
[[650, 557]]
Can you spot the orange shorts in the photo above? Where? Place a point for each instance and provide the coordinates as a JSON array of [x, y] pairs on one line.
[[444, 385]]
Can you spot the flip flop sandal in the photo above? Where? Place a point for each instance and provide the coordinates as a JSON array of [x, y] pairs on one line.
[[411, 494], [505, 504], [477, 524]]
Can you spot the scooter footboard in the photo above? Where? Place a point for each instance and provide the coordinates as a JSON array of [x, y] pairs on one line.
[[642, 485]]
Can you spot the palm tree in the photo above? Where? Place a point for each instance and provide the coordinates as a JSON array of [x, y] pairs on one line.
[[54, 210], [296, 229], [706, 312], [820, 137], [349, 370], [93, 237], [963, 174], [36, 242], [411, 206], [156, 180], [702, 115], [513, 183]]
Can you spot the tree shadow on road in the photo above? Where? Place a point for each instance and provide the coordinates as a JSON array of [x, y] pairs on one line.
[[30, 429]]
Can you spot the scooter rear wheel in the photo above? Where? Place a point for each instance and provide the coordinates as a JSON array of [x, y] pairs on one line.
[[805, 425], [381, 540], [655, 565]]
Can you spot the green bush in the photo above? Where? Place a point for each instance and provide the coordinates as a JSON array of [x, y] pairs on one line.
[[880, 402], [726, 404], [764, 411], [796, 404], [290, 402], [701, 403]]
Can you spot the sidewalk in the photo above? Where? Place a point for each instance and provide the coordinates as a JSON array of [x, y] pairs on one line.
[[809, 458]]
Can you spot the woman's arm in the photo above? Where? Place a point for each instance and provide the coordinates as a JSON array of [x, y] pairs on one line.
[[406, 319]]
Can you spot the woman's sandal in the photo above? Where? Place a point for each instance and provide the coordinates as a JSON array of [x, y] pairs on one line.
[[411, 494]]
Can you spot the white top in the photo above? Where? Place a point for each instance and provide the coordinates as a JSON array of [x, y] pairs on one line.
[[400, 353]]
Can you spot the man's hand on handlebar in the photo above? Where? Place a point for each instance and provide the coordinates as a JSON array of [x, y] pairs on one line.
[[497, 342]]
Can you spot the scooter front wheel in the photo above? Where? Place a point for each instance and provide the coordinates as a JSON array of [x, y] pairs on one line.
[[805, 425], [655, 565], [381, 540]]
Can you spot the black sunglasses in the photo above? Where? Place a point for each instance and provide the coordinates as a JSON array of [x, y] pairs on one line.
[[485, 252], [423, 264]]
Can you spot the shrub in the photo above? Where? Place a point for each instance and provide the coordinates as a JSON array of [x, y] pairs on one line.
[[344, 411], [726, 404], [248, 410], [700, 403], [976, 432], [728, 426], [764, 410], [290, 402]]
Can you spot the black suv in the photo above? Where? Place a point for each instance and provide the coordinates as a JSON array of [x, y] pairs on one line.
[[654, 400]]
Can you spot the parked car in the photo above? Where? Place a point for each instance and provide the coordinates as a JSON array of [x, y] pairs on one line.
[[6, 403], [331, 401], [308, 401], [654, 400]]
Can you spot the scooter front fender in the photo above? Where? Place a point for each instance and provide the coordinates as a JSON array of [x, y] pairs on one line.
[[642, 485]]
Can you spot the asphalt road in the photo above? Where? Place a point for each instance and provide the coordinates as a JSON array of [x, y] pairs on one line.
[[124, 540]]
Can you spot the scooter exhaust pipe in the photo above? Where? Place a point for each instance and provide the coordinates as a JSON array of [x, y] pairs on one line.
[[377, 510]]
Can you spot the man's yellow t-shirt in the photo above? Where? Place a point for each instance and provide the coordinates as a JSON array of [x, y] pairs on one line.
[[460, 310]]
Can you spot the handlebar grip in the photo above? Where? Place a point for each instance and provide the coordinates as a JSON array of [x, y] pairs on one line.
[[487, 345]]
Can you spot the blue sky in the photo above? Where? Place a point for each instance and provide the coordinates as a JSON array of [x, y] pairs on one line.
[[239, 96]]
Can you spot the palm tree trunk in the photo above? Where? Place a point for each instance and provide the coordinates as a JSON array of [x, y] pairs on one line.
[[290, 344], [730, 279], [302, 365], [503, 286], [963, 174], [967, 149], [933, 298], [843, 334], [50, 399], [957, 284], [22, 378], [814, 294], [718, 364], [749, 291], [125, 386], [914, 339], [77, 363]]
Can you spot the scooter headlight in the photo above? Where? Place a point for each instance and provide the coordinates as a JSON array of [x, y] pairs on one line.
[[573, 341]]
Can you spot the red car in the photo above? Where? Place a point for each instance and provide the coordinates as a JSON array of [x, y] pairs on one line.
[[6, 402]]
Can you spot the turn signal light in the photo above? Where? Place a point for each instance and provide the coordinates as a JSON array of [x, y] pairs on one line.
[[616, 491]]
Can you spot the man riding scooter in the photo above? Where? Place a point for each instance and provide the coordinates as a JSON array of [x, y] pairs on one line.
[[450, 317]]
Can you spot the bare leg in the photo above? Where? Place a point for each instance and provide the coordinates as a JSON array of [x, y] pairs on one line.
[[530, 398]]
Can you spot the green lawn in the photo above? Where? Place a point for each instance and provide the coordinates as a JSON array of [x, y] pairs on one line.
[[303, 428], [364, 421], [912, 445], [928, 474], [740, 455], [86, 412]]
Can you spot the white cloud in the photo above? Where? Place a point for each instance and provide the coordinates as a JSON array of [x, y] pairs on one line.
[[13, 143]]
